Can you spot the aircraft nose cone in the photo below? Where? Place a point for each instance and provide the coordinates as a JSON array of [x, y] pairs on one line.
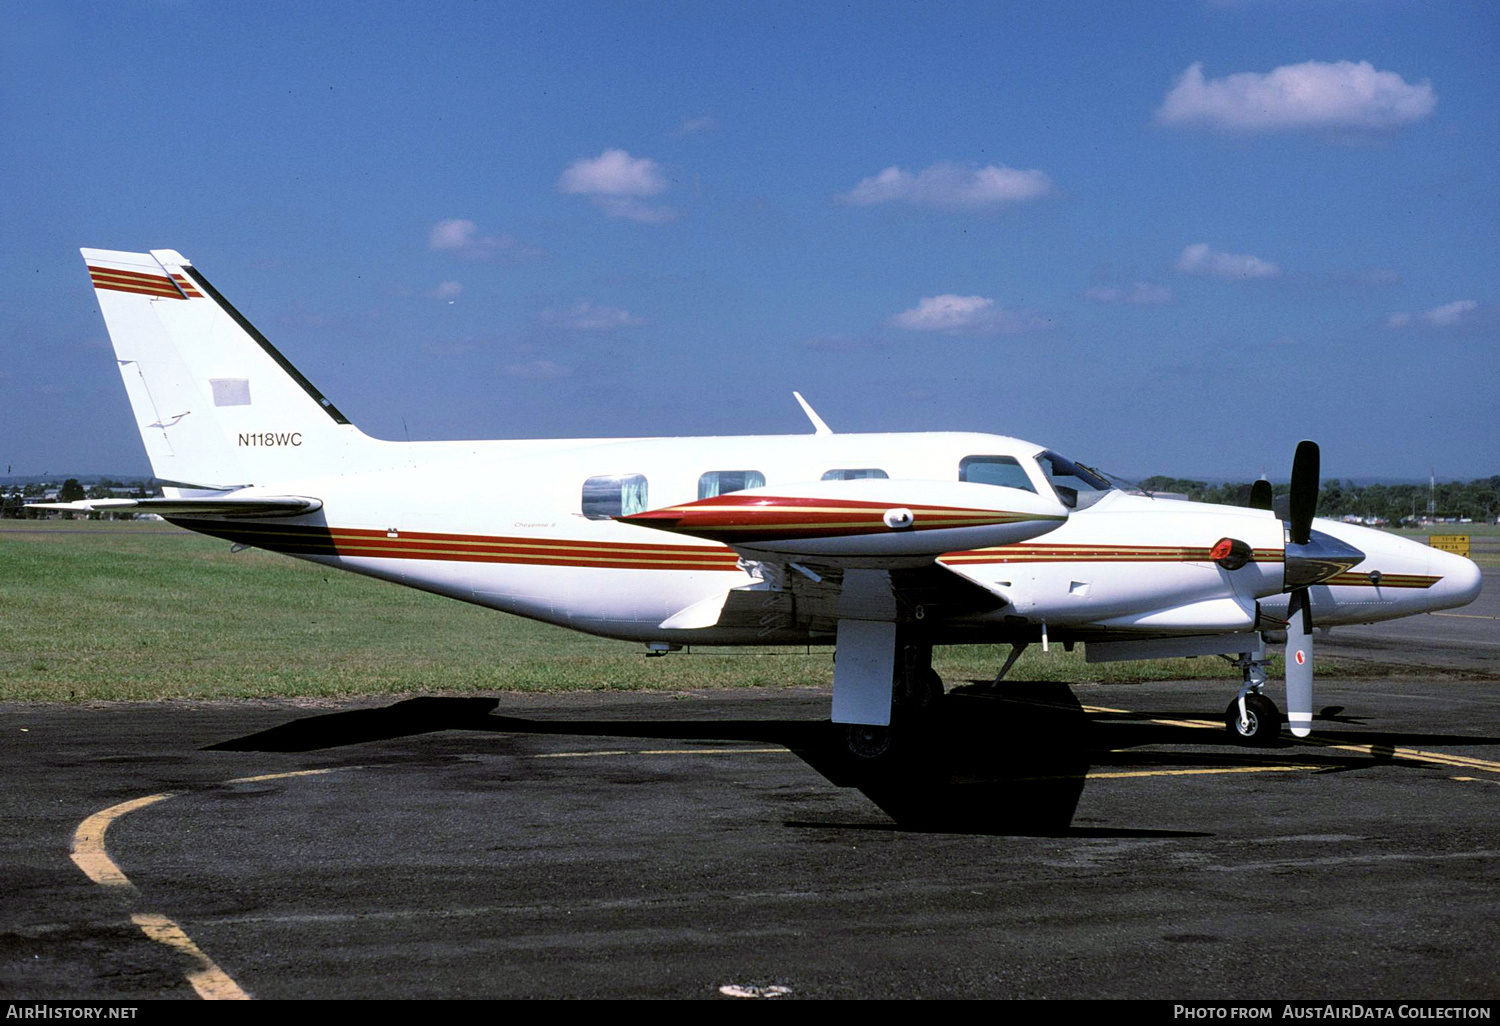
[[1460, 584]]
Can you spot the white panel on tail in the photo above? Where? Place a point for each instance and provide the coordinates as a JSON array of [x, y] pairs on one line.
[[217, 406]]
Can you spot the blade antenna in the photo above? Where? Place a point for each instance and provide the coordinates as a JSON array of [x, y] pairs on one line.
[[819, 427]]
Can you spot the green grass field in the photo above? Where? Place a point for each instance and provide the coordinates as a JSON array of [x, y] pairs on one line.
[[135, 611]]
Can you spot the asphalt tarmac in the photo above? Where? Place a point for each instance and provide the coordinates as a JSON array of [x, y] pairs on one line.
[[1040, 841]]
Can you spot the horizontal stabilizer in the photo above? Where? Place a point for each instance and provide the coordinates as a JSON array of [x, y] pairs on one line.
[[248, 506]]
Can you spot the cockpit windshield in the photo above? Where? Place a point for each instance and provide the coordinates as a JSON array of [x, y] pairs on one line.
[[1076, 485]]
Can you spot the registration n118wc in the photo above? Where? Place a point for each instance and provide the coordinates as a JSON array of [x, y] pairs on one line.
[[881, 544]]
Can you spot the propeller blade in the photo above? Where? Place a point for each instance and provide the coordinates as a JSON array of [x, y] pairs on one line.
[[1299, 663], [1304, 501], [1260, 494]]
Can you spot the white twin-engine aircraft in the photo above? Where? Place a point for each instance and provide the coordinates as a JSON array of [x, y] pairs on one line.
[[882, 544]]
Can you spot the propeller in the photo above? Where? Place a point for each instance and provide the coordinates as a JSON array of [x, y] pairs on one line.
[[1299, 664], [1311, 558], [1260, 494], [1302, 506], [1304, 496]]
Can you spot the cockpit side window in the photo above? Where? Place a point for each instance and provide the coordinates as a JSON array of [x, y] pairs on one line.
[[1005, 471], [614, 495], [1077, 486]]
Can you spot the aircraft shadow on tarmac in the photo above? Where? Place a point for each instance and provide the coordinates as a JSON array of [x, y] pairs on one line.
[[1007, 760]]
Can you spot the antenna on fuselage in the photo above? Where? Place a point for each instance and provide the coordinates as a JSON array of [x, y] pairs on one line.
[[819, 427]]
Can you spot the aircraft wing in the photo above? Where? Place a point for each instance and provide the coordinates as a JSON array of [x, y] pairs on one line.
[[871, 522], [867, 550], [247, 506], [787, 595]]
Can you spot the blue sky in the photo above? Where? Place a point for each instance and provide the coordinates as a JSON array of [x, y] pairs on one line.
[[1166, 238]]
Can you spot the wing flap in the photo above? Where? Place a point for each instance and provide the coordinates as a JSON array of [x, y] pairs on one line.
[[788, 597]]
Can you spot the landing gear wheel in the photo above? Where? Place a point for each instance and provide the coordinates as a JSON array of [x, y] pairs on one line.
[[920, 693], [1264, 721], [866, 742]]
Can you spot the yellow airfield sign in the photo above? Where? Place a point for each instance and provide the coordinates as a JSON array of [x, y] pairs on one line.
[[1458, 543]]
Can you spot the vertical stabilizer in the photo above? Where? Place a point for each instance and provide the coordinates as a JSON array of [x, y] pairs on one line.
[[218, 407]]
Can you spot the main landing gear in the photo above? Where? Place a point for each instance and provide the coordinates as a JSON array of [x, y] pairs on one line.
[[1252, 718], [916, 693]]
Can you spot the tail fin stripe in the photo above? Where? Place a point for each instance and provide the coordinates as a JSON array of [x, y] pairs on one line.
[[131, 281], [196, 276], [186, 287]]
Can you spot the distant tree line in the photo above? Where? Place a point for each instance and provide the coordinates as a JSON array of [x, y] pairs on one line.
[[1478, 500], [13, 498]]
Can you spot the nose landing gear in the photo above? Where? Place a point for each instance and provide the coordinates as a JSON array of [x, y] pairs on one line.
[[1257, 725], [1252, 719]]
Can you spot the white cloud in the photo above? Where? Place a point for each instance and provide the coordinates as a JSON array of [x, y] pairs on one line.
[[452, 234], [1142, 293], [449, 290], [691, 125], [461, 237], [950, 186], [1446, 316], [1310, 96], [965, 315], [536, 370], [613, 173], [615, 182], [1200, 259], [1450, 313], [587, 315]]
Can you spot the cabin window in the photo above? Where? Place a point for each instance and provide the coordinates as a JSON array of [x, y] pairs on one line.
[[857, 474], [1004, 471], [614, 495], [720, 482]]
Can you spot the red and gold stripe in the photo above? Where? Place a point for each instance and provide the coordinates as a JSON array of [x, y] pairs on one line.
[[1028, 553], [1361, 579], [470, 548], [740, 519], [115, 280], [467, 548], [185, 284]]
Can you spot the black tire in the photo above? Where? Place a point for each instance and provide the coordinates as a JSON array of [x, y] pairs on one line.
[[1264, 728], [867, 744]]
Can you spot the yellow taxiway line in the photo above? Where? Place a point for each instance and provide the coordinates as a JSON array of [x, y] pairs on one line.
[[89, 854], [213, 984], [1377, 751]]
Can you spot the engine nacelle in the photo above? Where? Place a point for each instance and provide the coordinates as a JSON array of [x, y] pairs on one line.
[[867, 518]]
